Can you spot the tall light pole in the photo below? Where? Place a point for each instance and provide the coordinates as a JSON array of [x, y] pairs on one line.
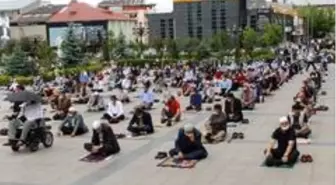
[[236, 31], [140, 31]]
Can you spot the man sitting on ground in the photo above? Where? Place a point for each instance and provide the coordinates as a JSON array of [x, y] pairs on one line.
[[188, 145], [209, 93], [141, 123], [115, 111], [62, 106], [298, 119], [83, 96], [171, 111], [215, 126], [248, 100], [96, 102], [147, 98], [73, 124], [286, 151], [103, 142], [233, 109], [195, 101]]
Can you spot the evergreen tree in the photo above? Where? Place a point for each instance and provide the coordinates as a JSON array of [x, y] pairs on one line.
[[72, 50], [18, 64]]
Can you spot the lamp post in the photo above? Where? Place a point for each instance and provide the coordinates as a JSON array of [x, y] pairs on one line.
[[140, 31], [236, 32]]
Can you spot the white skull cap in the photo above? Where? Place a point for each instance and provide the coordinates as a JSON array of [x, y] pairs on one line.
[[96, 124], [283, 119]]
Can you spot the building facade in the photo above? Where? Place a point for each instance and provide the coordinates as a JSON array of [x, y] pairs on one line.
[[134, 9], [198, 18]]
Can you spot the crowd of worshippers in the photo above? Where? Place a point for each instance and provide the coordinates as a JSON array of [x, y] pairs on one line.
[[295, 124], [201, 83]]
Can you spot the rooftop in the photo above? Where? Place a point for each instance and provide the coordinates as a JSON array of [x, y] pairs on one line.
[[14, 4], [41, 14], [83, 12]]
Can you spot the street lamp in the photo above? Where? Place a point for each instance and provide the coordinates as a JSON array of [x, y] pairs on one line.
[[236, 32], [140, 31]]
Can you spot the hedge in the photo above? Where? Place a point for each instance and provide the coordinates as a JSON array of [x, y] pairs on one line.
[[142, 62], [49, 76]]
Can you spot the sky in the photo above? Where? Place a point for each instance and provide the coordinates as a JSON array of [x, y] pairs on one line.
[[167, 5]]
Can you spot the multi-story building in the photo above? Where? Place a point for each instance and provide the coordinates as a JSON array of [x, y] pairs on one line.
[[135, 9], [197, 18]]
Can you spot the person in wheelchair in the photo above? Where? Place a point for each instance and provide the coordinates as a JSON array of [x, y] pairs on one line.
[[31, 114]]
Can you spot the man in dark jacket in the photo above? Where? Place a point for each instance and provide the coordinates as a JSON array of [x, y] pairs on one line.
[[233, 109], [195, 101], [103, 140], [188, 144], [216, 126], [141, 123]]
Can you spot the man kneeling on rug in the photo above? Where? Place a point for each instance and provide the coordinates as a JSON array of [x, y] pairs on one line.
[[141, 123], [286, 151], [188, 144], [216, 126], [103, 142]]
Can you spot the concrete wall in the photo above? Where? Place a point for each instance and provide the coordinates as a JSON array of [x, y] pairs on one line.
[[124, 27], [28, 31]]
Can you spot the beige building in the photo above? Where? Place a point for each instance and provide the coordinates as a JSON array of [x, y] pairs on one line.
[[33, 23]]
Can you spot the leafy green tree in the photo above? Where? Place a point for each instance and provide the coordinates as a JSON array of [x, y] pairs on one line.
[[202, 51], [272, 35], [120, 46], [220, 41], [249, 40], [158, 44], [18, 63], [72, 49], [172, 48], [46, 57], [191, 45], [320, 21]]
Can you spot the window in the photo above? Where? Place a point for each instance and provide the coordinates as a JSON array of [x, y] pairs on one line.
[[199, 32], [170, 22]]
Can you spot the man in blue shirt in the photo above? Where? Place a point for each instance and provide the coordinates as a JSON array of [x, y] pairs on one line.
[[147, 98], [225, 86], [195, 101]]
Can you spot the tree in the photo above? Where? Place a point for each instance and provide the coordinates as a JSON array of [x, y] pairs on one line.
[[319, 20], [18, 63], [172, 48], [120, 46], [249, 40], [158, 44], [272, 35], [220, 41], [202, 51], [45, 56], [72, 48]]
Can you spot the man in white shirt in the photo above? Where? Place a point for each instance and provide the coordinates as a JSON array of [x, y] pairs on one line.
[[33, 112], [115, 111]]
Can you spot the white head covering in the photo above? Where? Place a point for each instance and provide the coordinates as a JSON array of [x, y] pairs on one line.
[[283, 119], [188, 127], [72, 109], [96, 124]]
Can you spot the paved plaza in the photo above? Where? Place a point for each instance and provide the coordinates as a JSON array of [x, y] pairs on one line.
[[235, 163]]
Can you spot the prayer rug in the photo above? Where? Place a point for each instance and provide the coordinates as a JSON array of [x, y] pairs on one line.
[[90, 158], [173, 163], [281, 166]]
